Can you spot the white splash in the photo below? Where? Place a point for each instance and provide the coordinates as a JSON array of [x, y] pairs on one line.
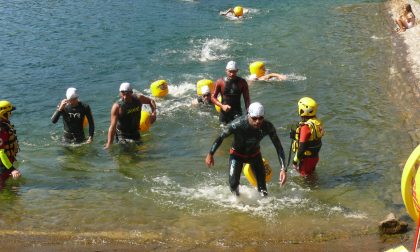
[[209, 49]]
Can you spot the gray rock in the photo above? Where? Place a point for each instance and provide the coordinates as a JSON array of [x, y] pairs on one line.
[[392, 226]]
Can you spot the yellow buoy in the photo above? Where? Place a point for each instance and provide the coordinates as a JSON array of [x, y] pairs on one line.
[[85, 122], [145, 121], [202, 83], [159, 88], [257, 68], [410, 190], [238, 11], [249, 174], [218, 109]]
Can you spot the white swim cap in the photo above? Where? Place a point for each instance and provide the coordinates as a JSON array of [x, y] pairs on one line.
[[125, 86], [231, 65], [71, 93], [205, 90], [256, 109]]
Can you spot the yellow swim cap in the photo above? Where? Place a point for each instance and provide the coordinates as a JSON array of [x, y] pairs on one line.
[[159, 88], [238, 11], [257, 68], [202, 83]]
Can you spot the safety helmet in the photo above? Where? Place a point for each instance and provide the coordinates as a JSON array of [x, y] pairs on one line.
[[307, 107], [238, 11], [5, 109]]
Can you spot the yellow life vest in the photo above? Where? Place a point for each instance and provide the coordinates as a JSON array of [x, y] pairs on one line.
[[314, 143]]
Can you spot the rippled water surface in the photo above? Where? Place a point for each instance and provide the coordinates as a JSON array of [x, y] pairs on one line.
[[161, 191]]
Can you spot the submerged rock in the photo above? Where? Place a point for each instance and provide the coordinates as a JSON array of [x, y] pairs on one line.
[[392, 226]]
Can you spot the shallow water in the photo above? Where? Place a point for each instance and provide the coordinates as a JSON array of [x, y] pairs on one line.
[[161, 191]]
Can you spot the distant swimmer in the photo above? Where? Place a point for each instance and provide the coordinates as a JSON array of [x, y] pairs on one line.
[[125, 116], [74, 112], [406, 20], [248, 131], [258, 72], [231, 88], [307, 137], [204, 98], [9, 145], [236, 12]]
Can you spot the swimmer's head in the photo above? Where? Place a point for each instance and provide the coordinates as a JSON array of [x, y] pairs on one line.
[[257, 68], [256, 114], [205, 90], [125, 91], [71, 93], [231, 69], [238, 11], [126, 87]]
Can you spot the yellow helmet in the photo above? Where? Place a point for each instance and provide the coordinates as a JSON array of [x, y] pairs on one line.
[[238, 11], [5, 109], [307, 107]]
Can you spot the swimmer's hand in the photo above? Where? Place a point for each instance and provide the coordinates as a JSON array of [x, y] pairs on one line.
[[283, 177], [153, 117], [15, 174], [225, 107], [209, 160]]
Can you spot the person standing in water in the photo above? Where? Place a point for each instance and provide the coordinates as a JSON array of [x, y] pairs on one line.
[[74, 112], [125, 116], [307, 137], [248, 131], [231, 88], [9, 145]]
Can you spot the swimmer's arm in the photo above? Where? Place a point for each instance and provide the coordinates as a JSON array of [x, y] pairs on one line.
[[227, 131], [245, 93], [55, 116], [60, 109], [113, 125], [279, 148], [217, 91], [273, 75], [91, 122], [146, 100], [224, 13]]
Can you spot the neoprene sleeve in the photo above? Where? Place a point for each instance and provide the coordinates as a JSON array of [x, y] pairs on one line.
[[5, 160]]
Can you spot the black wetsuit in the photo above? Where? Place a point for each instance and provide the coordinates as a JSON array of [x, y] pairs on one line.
[[129, 120], [246, 149], [73, 122]]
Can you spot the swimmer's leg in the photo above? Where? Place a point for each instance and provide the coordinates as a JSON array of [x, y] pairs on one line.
[[235, 169]]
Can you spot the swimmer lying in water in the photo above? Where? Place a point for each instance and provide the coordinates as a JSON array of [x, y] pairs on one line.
[[258, 72], [236, 12]]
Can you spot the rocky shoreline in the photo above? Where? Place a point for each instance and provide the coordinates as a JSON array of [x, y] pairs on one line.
[[404, 86]]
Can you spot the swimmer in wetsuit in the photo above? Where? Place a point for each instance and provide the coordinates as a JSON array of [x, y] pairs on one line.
[[125, 116], [74, 112], [231, 88], [248, 131]]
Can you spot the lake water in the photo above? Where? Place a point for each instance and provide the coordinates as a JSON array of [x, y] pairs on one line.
[[161, 192]]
